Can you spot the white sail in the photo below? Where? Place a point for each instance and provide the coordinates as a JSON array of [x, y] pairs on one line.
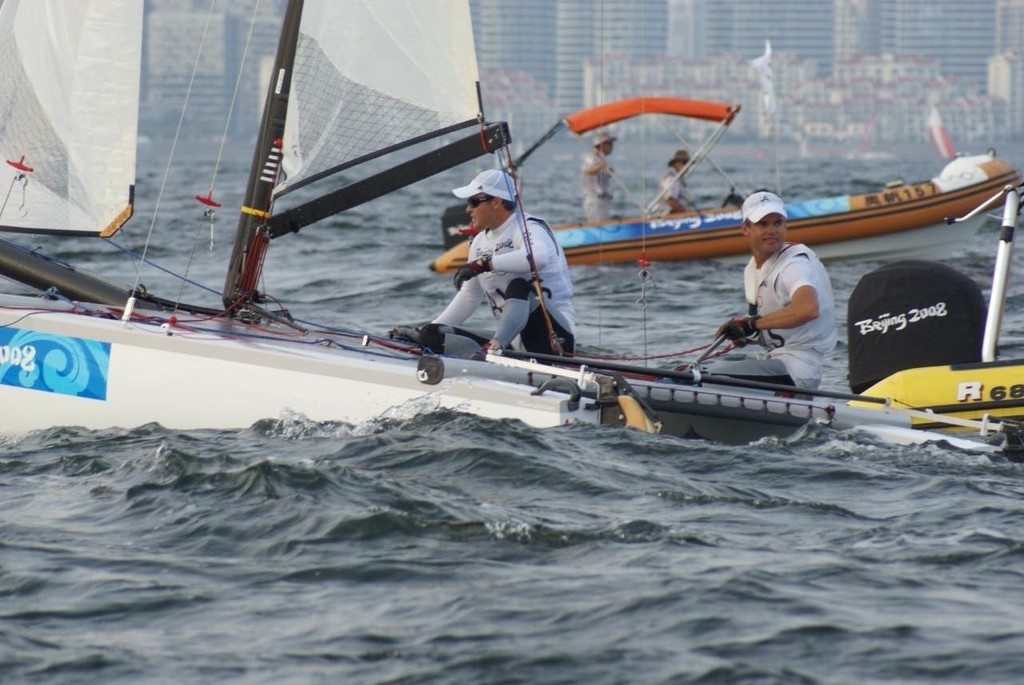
[[69, 71], [370, 74], [939, 136]]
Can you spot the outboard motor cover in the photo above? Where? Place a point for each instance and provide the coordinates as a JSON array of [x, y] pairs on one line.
[[453, 219], [912, 313]]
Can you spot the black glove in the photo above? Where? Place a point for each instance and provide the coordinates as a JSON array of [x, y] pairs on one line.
[[410, 333], [740, 330], [470, 271]]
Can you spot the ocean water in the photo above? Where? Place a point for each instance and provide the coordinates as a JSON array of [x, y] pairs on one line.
[[444, 548]]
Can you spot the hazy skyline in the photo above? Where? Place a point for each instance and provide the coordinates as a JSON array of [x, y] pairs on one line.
[[552, 42]]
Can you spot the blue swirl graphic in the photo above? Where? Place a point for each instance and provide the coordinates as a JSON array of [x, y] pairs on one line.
[[54, 363]]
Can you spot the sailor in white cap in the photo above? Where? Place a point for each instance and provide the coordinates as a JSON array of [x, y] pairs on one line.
[[790, 307], [500, 270], [596, 178]]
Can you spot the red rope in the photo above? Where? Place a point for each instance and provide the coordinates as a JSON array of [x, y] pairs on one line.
[[254, 262]]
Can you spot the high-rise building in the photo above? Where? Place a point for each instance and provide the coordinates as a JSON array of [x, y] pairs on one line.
[[576, 43], [550, 40], [803, 28], [1006, 83], [598, 31], [518, 35], [856, 33], [1009, 26], [960, 34], [686, 28], [541, 59]]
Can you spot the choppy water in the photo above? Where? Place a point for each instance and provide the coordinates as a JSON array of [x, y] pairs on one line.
[[443, 548]]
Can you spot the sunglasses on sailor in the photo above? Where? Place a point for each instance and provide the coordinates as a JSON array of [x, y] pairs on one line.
[[479, 200]]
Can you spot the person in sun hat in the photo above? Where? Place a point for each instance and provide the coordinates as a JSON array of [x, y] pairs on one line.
[[596, 175], [672, 193], [791, 309], [499, 272]]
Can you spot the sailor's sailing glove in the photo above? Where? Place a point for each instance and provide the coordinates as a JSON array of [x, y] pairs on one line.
[[740, 331], [410, 333], [470, 271]]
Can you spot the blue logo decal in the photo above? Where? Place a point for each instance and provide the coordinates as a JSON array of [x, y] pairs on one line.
[[54, 363]]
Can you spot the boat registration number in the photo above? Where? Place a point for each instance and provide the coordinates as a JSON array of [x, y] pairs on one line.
[[974, 391], [894, 196]]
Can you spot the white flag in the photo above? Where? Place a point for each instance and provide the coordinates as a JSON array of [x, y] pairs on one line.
[[763, 66]]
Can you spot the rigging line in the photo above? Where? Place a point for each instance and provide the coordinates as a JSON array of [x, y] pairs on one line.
[[707, 158], [18, 177], [600, 99], [174, 145], [556, 346], [234, 95], [630, 195], [209, 213], [159, 267], [645, 266]]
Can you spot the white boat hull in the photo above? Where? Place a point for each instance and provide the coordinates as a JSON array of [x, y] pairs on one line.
[[228, 376]]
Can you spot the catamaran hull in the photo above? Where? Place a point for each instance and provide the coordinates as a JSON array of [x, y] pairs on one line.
[[895, 222], [64, 368], [973, 390], [740, 416]]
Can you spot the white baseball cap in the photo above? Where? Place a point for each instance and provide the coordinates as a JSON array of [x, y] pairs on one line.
[[604, 138], [761, 204], [493, 182]]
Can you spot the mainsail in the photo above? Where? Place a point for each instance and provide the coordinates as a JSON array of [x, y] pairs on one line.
[[69, 74], [368, 76], [353, 82]]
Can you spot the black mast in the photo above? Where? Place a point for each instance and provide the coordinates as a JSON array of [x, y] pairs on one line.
[[251, 237]]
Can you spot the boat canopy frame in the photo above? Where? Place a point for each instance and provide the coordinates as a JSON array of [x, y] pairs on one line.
[[599, 116]]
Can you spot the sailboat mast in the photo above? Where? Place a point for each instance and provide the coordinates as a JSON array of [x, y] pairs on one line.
[[251, 237]]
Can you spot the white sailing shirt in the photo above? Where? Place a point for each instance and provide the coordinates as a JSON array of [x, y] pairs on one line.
[[771, 287], [506, 248], [671, 185], [597, 185]]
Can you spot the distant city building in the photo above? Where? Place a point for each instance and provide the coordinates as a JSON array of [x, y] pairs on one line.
[[686, 28], [196, 57], [517, 36], [797, 27], [1009, 26], [855, 32], [856, 72], [606, 32], [1006, 83], [551, 39], [870, 102], [961, 35], [576, 42]]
